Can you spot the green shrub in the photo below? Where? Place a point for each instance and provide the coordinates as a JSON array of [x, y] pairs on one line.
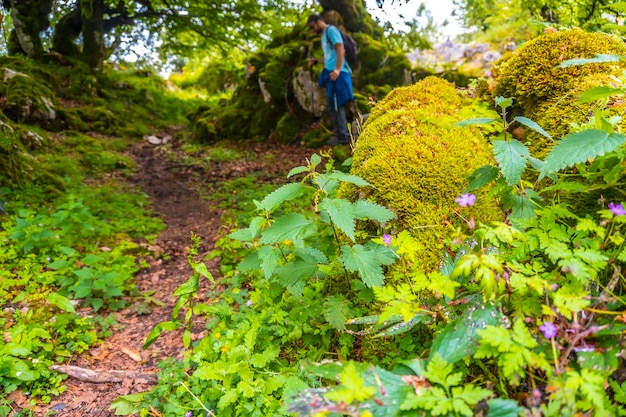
[[531, 75], [419, 163]]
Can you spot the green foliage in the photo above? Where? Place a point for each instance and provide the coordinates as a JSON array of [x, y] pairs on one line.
[[446, 396], [60, 250], [277, 298]]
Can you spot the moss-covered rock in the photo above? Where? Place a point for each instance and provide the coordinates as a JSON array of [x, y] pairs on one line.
[[418, 163], [559, 115], [531, 75], [29, 100]]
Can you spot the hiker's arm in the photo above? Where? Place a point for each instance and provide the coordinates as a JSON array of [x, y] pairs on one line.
[[341, 53]]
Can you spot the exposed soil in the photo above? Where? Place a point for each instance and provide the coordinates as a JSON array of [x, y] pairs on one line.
[[174, 191]]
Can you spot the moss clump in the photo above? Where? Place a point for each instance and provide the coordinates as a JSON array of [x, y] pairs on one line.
[[418, 163], [287, 129], [531, 75], [559, 115]]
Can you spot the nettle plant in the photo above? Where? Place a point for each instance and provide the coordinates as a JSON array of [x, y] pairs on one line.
[[298, 266]]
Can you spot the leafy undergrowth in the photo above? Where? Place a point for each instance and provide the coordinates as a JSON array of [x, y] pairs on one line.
[[71, 231], [322, 312]]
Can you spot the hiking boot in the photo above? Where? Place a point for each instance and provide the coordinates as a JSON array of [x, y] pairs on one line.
[[334, 141]]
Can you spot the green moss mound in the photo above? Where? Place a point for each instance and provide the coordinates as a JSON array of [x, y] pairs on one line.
[[531, 75], [418, 163], [560, 115]]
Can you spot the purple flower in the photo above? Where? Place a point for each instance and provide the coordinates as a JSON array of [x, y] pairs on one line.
[[249, 303], [189, 414], [466, 200], [548, 329], [387, 239], [617, 209]]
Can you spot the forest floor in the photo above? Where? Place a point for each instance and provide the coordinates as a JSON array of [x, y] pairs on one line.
[[175, 192]]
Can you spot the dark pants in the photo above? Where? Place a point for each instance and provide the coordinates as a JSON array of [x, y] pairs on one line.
[[338, 117]]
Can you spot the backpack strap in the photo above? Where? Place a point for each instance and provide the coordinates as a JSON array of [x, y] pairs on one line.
[[328, 36]]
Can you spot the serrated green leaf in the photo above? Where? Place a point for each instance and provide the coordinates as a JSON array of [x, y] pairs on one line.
[[534, 126], [512, 157], [578, 147], [270, 257], [341, 213], [294, 274], [359, 259], [364, 210], [499, 407], [475, 121], [481, 177], [315, 160], [285, 193], [522, 206], [598, 93], [296, 171], [311, 255], [291, 227], [336, 309], [598, 59]]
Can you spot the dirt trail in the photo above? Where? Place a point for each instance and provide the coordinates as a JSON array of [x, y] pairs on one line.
[[175, 198]]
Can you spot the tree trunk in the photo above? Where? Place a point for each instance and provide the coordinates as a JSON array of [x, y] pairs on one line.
[[27, 24], [93, 32], [354, 14], [66, 32]]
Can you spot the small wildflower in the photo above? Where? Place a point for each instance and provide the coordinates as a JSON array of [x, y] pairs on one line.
[[617, 209], [189, 414], [387, 239], [466, 200], [18, 373], [56, 237], [548, 329], [249, 303]]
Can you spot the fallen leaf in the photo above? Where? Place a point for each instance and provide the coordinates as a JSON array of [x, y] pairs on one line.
[[133, 354]]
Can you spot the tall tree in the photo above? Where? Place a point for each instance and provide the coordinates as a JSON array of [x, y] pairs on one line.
[[588, 14]]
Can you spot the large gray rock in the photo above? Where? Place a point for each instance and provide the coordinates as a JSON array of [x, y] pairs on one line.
[[310, 96]]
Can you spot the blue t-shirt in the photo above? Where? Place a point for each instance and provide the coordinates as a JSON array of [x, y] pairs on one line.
[[330, 53]]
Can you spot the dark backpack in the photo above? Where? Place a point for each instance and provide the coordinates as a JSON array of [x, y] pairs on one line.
[[349, 45]]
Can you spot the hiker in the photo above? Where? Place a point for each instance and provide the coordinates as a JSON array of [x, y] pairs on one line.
[[336, 77]]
